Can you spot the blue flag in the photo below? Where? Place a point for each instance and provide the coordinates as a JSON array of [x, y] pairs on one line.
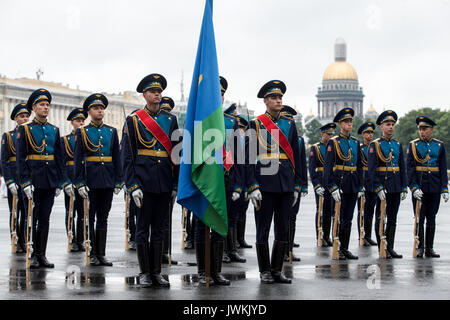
[[201, 186]]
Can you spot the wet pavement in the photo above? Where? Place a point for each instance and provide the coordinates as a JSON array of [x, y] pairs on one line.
[[316, 276]]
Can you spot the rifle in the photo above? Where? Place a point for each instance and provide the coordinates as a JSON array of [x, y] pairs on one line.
[[361, 221], [183, 226], [13, 224], [172, 201], [69, 224], [127, 222], [29, 232], [87, 241], [337, 211], [416, 227], [319, 223], [382, 229]]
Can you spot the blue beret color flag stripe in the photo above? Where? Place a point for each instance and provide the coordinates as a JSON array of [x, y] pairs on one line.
[[201, 186]]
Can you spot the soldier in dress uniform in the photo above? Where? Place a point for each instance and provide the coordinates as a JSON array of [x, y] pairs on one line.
[[343, 176], [98, 173], [167, 104], [289, 113], [244, 199], [387, 177], [233, 181], [150, 176], [233, 189], [20, 115], [273, 179], [40, 163], [316, 162], [366, 130], [76, 118], [427, 180]]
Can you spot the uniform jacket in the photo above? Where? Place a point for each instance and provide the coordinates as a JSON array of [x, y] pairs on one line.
[[68, 147], [386, 166], [233, 177], [287, 178], [343, 167], [99, 145], [39, 156], [8, 157], [316, 162], [154, 171], [426, 166]]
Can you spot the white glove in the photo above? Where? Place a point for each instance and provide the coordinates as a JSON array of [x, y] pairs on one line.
[[404, 194], [360, 194], [445, 196], [320, 191], [295, 198], [84, 192], [13, 188], [336, 195], [69, 190], [246, 197], [256, 196], [57, 192], [418, 194], [137, 197], [124, 188], [174, 194], [304, 194], [117, 190], [382, 195], [28, 190], [235, 196]]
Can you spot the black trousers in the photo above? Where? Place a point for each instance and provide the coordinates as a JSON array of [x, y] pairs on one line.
[[21, 215], [132, 219], [152, 215], [232, 210], [279, 207], [100, 201], [78, 214], [327, 212], [348, 203], [369, 209], [392, 205], [199, 232], [243, 206], [43, 200], [428, 209]]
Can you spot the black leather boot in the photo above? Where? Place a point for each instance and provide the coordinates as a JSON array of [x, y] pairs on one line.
[[100, 238], [342, 256], [190, 227], [143, 253], [165, 256], [216, 264], [200, 257], [93, 248], [420, 249], [276, 263], [368, 233], [240, 229], [344, 246], [262, 253], [429, 239], [42, 235], [34, 262], [80, 237], [326, 241], [155, 265], [226, 257], [390, 236], [233, 254]]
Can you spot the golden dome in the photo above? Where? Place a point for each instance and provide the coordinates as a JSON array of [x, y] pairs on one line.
[[371, 109], [340, 70]]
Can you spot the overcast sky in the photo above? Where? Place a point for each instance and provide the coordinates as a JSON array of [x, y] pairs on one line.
[[400, 49]]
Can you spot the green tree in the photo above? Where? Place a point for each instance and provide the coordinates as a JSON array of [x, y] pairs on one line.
[[312, 131], [300, 129], [406, 129]]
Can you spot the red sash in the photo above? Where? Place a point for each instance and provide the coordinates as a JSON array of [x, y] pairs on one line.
[[284, 143], [227, 159], [155, 129]]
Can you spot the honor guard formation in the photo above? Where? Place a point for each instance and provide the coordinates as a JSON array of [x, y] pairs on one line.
[[264, 161]]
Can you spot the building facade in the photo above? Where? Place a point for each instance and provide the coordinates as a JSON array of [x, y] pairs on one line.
[[340, 87]]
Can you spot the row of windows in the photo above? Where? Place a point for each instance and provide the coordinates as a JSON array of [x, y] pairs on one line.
[[340, 87]]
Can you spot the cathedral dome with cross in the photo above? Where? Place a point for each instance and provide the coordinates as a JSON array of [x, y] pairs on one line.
[[340, 87]]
